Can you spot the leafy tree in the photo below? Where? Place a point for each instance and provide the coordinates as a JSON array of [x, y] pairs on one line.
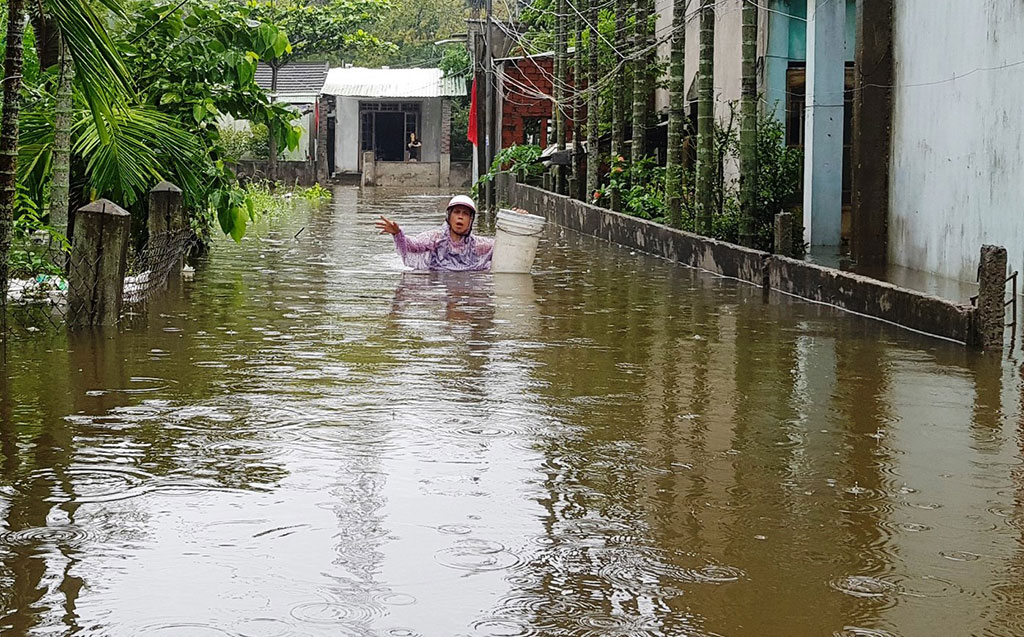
[[197, 63], [104, 80], [336, 28], [192, 65], [413, 26]]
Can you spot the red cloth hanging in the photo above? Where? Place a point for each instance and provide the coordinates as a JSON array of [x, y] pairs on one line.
[[471, 129]]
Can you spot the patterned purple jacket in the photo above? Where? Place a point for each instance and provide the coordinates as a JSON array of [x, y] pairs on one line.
[[435, 250]]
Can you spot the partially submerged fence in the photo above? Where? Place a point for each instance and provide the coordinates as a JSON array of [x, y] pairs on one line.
[[980, 325], [102, 276]]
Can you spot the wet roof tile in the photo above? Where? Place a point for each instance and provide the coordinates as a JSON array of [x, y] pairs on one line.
[[295, 77]]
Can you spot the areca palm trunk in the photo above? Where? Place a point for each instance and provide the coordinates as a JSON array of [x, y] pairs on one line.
[[60, 184], [9, 134], [560, 74], [748, 125], [674, 172], [593, 101], [705, 118], [618, 145], [639, 148], [577, 111]]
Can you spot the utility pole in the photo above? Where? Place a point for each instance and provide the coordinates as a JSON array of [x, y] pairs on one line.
[[489, 128], [479, 81]]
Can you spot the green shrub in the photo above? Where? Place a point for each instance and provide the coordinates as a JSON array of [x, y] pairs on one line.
[[523, 161], [246, 143]]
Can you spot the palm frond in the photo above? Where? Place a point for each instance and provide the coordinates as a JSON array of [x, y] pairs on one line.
[[147, 146], [101, 74]]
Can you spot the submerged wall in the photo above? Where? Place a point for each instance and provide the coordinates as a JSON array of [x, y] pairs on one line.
[[957, 144]]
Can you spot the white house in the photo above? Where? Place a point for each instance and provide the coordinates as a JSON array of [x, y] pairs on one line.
[[377, 110]]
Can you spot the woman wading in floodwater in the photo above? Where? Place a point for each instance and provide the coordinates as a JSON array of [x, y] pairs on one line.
[[451, 247]]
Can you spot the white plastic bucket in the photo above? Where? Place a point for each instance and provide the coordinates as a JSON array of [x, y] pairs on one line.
[[515, 241]]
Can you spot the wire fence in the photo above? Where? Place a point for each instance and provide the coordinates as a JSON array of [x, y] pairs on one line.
[[50, 287]]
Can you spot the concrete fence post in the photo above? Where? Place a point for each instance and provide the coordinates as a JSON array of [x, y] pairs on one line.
[[99, 256], [992, 296], [784, 234], [166, 216], [369, 169], [165, 209]]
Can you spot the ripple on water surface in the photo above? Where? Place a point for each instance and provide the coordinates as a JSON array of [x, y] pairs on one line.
[[33, 536], [476, 556]]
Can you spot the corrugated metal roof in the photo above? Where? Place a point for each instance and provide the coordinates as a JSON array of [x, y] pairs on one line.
[[401, 83]]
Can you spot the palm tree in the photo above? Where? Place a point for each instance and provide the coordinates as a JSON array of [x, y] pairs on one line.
[[593, 101], [102, 80], [705, 117], [9, 134], [618, 146], [674, 172], [577, 111], [640, 74], [748, 126], [61, 180], [560, 79]]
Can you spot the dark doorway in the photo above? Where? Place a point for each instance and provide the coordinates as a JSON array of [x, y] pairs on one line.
[[390, 131]]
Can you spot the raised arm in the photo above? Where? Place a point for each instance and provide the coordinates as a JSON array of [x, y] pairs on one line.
[[415, 250]]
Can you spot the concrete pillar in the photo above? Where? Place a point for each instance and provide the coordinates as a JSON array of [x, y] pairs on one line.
[[99, 257], [322, 107], [992, 296], [823, 146], [165, 214], [784, 234], [369, 169], [872, 132], [444, 173], [166, 221]]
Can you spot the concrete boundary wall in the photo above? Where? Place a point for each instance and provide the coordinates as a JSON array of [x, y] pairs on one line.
[[851, 292]]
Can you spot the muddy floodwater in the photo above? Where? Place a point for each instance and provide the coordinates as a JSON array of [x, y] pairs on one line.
[[306, 440]]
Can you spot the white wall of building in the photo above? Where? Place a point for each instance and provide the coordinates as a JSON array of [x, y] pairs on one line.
[[346, 131], [728, 36], [958, 144], [430, 129], [346, 135]]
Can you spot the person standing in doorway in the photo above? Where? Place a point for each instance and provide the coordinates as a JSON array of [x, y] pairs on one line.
[[414, 147]]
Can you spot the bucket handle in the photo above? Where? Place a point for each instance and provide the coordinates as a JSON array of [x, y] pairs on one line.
[[535, 233]]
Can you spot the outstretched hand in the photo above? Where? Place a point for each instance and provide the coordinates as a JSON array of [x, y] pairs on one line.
[[387, 225]]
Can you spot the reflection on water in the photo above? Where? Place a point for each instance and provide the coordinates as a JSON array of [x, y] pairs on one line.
[[311, 441]]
